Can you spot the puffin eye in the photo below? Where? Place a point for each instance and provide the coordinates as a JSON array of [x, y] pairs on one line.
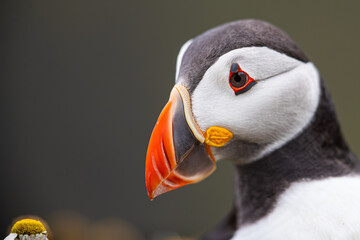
[[239, 80]]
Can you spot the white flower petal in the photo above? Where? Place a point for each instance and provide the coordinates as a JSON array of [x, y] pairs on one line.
[[40, 236], [11, 236]]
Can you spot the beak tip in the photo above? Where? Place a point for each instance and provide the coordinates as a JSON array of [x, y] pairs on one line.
[[149, 190], [151, 197], [157, 191]]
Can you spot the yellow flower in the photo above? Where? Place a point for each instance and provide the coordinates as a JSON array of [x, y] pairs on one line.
[[28, 229]]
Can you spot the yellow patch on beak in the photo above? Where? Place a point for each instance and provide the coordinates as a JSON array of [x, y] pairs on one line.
[[217, 136]]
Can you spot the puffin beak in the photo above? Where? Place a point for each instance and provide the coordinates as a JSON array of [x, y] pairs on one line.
[[179, 152]]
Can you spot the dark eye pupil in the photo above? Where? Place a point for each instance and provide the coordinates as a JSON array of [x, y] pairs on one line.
[[238, 80]]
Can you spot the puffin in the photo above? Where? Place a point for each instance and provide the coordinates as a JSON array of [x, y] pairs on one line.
[[246, 93]]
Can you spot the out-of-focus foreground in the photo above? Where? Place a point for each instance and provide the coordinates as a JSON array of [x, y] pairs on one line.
[[68, 225]]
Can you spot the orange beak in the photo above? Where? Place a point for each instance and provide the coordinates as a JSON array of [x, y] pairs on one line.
[[177, 154]]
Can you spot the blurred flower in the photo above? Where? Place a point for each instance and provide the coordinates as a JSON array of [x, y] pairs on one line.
[[69, 225], [166, 235], [114, 229], [178, 238]]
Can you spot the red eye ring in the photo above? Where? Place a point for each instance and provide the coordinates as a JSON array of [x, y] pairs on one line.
[[239, 80]]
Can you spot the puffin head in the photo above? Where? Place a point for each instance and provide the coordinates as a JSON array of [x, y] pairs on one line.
[[242, 90]]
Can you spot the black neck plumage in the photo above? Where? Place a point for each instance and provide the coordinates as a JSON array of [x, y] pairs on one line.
[[320, 151]]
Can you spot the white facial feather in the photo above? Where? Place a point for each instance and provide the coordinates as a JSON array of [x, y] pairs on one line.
[[324, 210], [180, 56], [272, 112]]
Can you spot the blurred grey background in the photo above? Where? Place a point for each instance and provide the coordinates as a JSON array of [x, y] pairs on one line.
[[83, 82]]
